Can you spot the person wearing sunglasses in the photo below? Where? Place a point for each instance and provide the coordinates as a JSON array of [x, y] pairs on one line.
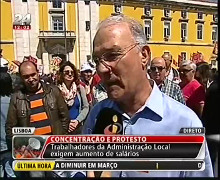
[[193, 91], [159, 74], [74, 95], [121, 54]]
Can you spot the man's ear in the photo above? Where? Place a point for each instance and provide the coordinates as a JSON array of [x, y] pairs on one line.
[[146, 54]]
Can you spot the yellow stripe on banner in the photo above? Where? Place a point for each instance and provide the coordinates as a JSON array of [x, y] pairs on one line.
[[34, 166]]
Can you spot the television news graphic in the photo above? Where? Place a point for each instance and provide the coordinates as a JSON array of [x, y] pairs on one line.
[[22, 22], [115, 153], [23, 130], [113, 123], [27, 147]]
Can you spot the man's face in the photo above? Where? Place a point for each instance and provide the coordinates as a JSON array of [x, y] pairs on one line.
[[168, 60], [186, 73], [158, 70], [30, 76], [123, 61], [86, 75]]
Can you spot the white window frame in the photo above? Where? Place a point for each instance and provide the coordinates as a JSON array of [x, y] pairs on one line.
[[215, 32], [183, 52], [201, 30], [186, 31], [167, 22], [52, 25], [146, 23], [146, 11], [119, 5], [167, 12]]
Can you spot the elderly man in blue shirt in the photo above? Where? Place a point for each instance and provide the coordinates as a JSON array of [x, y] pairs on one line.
[[121, 55]]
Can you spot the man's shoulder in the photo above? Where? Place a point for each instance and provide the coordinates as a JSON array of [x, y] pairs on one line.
[[180, 111], [48, 88], [173, 84]]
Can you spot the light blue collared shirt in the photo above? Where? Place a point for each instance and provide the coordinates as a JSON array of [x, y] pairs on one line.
[[161, 115]]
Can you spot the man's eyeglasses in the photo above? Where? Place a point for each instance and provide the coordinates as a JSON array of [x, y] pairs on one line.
[[113, 56], [68, 72], [184, 71], [157, 68]]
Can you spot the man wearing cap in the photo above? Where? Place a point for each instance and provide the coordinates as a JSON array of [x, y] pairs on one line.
[[89, 80]]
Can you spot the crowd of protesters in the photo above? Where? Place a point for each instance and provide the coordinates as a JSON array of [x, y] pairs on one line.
[[71, 93]]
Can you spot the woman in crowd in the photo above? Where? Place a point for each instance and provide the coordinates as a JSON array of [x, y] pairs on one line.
[[74, 95], [203, 74], [193, 91]]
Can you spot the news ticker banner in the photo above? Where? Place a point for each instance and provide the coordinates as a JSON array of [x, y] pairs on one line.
[[109, 165], [109, 147]]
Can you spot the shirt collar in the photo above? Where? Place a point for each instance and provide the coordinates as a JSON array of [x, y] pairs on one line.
[[155, 100]]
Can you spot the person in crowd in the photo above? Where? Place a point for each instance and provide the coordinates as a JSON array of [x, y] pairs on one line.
[[173, 74], [121, 54], [158, 73], [202, 74], [89, 79], [210, 119], [38, 105], [74, 95], [213, 75], [5, 94], [193, 91]]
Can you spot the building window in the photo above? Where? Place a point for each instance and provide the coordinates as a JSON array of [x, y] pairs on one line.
[[87, 25], [184, 31], [57, 4], [166, 29], [184, 14], [215, 33], [199, 31], [183, 56], [118, 8], [200, 15], [215, 17], [147, 10], [87, 2], [167, 13], [147, 28], [57, 23], [24, 0]]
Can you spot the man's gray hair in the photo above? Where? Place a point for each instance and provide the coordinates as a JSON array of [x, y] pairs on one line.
[[189, 63], [135, 27]]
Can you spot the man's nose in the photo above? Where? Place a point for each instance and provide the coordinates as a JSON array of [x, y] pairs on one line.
[[104, 68], [30, 79]]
